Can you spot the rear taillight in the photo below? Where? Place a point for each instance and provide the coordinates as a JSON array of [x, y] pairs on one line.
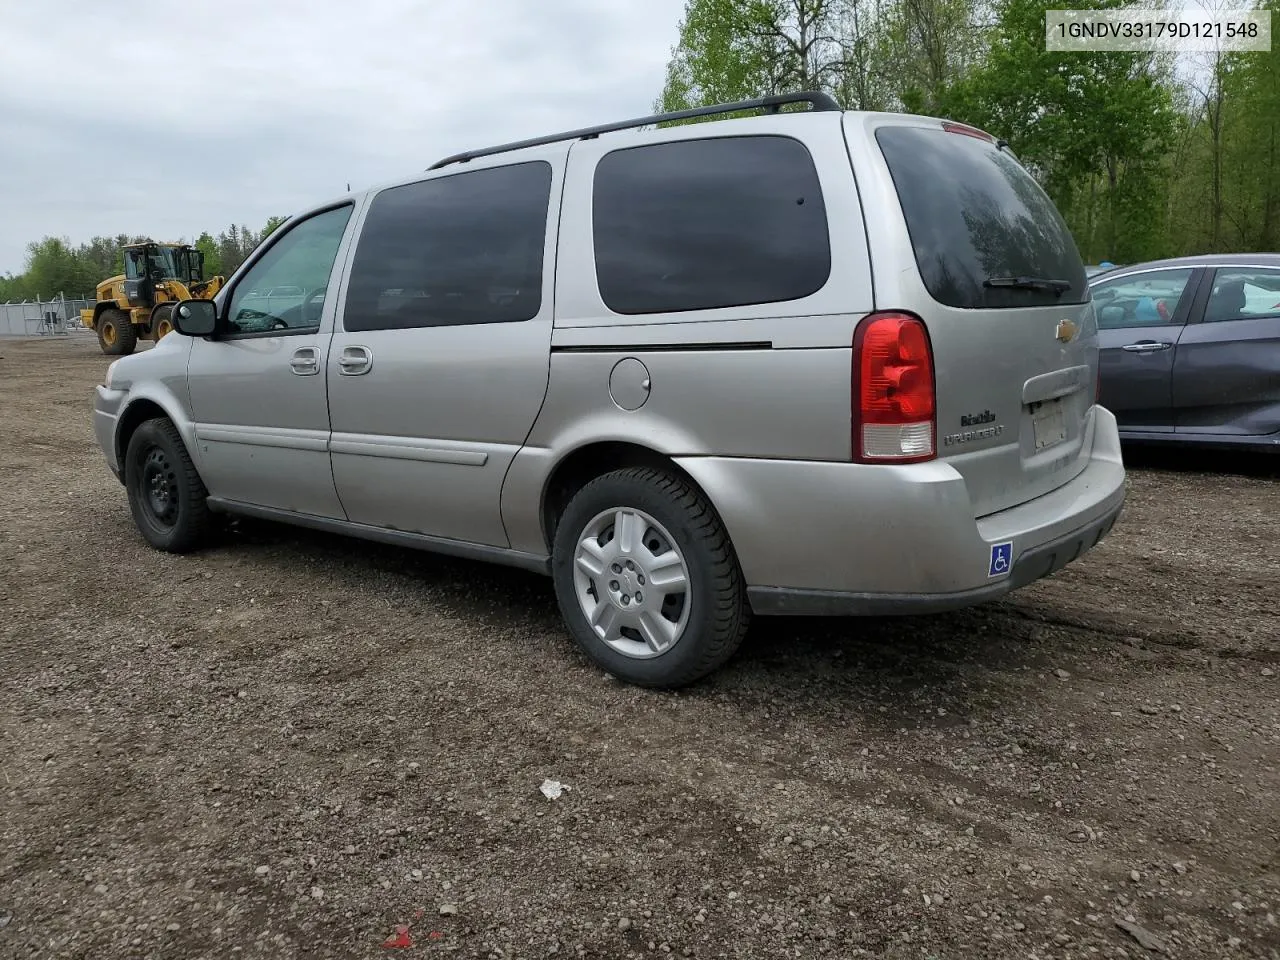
[[894, 405]]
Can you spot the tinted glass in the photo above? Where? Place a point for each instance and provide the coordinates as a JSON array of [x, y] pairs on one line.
[[461, 249], [1240, 293], [1141, 300], [701, 224], [301, 261], [974, 214]]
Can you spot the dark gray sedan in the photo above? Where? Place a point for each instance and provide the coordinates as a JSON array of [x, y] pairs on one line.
[[1191, 349]]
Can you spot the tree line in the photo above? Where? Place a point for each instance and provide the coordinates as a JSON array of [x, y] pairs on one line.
[[54, 266], [1147, 155]]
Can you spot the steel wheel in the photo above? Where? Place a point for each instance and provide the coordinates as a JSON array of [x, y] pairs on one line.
[[160, 487], [632, 583], [166, 495]]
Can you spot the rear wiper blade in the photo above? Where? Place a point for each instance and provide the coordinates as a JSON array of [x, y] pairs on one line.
[[1029, 283]]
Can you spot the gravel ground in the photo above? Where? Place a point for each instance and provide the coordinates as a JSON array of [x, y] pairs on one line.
[[292, 743]]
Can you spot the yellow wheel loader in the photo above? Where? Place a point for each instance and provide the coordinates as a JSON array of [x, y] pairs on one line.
[[138, 304]]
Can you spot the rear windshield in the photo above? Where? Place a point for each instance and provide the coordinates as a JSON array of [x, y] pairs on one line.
[[975, 215]]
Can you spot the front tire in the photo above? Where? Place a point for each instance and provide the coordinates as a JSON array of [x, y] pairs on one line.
[[166, 495], [116, 333], [161, 322], [647, 579]]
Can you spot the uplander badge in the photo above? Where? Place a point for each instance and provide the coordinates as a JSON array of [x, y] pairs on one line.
[[974, 420]]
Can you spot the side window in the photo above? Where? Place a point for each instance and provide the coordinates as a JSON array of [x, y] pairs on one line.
[[1241, 293], [1140, 300], [461, 249], [701, 224], [285, 289]]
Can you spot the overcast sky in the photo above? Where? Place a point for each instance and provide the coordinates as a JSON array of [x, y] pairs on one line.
[[185, 117]]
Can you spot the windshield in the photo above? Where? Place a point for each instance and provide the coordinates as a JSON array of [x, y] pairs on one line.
[[159, 263], [983, 232]]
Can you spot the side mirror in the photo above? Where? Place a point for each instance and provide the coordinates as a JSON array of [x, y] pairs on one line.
[[195, 318]]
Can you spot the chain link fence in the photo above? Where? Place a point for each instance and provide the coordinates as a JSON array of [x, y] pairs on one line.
[[43, 318]]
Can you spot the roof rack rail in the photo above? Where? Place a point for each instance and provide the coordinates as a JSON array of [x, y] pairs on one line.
[[815, 98]]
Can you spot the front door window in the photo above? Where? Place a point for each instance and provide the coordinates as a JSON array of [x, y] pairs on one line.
[[284, 290]]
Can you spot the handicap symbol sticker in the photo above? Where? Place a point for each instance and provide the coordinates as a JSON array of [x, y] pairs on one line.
[[1001, 558]]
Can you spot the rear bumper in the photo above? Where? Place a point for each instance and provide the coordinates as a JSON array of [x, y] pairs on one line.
[[1032, 565], [843, 538]]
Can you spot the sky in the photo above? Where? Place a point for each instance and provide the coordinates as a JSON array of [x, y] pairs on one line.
[[185, 117]]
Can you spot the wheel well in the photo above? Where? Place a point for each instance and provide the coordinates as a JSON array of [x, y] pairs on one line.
[[585, 464], [134, 416]]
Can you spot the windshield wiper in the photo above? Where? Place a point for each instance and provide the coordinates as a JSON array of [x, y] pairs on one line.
[[1029, 283]]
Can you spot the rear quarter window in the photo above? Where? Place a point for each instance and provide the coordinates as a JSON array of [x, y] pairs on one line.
[[975, 214], [702, 224]]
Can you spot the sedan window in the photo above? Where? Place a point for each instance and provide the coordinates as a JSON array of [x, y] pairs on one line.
[[1242, 293], [1140, 300]]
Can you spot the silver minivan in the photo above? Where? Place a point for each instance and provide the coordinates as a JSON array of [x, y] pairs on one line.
[[808, 361]]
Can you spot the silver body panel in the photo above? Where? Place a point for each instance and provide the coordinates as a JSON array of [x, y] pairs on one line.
[[449, 437]]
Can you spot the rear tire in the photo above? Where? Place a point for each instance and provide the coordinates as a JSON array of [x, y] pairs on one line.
[[116, 333], [166, 495], [642, 554]]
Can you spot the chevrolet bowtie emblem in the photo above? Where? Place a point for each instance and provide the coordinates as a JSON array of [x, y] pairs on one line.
[[1066, 330]]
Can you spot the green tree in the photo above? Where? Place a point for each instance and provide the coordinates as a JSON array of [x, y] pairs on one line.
[[1249, 201], [54, 268], [1094, 127], [212, 259], [922, 49], [721, 55], [14, 288]]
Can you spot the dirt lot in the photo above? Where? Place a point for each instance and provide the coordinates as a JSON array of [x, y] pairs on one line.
[[291, 743]]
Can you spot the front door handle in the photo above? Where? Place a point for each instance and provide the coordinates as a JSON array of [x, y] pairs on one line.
[[305, 361], [354, 361], [1147, 346]]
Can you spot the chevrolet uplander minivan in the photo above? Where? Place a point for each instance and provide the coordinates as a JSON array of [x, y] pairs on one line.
[[801, 362]]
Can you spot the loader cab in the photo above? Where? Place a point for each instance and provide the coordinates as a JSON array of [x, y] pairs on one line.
[[147, 264], [143, 266]]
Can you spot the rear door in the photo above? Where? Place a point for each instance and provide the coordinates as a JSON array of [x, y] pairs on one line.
[[964, 237], [1140, 318], [1226, 374], [439, 364]]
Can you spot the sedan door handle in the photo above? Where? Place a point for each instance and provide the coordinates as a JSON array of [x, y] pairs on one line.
[[1147, 346], [305, 361], [355, 361]]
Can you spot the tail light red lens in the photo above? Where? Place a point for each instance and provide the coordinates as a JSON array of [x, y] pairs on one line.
[[894, 402]]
